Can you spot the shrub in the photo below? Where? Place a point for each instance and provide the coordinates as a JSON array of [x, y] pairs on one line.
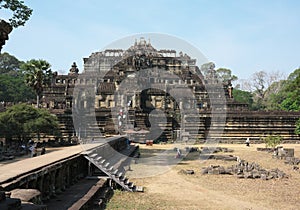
[[272, 140]]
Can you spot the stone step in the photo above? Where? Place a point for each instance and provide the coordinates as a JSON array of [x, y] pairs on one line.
[[102, 161], [106, 165], [93, 155], [138, 189], [130, 185], [126, 181], [115, 172], [122, 178], [98, 158]]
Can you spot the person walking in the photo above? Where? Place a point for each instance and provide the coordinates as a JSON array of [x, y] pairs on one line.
[[248, 142], [33, 151]]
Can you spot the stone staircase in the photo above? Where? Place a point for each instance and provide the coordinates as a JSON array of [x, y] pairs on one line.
[[111, 166]]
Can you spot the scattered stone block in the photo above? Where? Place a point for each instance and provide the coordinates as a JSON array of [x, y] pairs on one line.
[[139, 189], [189, 171], [248, 175], [245, 170], [263, 176], [204, 171]]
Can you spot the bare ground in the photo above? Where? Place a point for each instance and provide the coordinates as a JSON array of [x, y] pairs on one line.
[[174, 190]]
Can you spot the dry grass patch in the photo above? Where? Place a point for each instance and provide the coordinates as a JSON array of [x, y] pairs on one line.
[[173, 190]]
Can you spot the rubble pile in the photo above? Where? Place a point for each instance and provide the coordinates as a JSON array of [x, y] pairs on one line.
[[208, 150], [245, 170]]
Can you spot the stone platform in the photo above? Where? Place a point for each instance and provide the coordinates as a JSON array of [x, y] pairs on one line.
[[21, 167], [13, 170]]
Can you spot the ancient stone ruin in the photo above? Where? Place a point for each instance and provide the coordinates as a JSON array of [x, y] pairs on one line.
[[105, 71], [245, 170], [8, 203], [286, 154]]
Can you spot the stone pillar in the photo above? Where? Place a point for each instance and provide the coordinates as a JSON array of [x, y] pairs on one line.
[[46, 187], [52, 183], [5, 29], [40, 183], [58, 180]]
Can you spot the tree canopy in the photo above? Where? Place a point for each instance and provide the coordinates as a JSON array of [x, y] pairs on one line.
[[23, 121], [243, 97], [21, 12], [291, 90], [12, 85], [9, 63], [37, 75], [272, 92], [226, 75], [13, 89]]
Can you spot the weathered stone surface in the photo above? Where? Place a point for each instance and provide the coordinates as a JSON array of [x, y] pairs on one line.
[[245, 170], [209, 150], [241, 123], [188, 171], [27, 195], [263, 176]]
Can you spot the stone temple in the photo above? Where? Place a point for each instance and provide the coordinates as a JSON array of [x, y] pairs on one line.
[[143, 89]]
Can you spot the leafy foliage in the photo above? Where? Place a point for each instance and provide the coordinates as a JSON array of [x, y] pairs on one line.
[[24, 121], [291, 90], [225, 75], [13, 89], [9, 64], [272, 140], [297, 130], [37, 75], [243, 97], [12, 85], [21, 12]]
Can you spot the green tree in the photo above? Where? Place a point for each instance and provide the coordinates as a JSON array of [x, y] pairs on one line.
[[297, 129], [291, 102], [20, 12], [12, 84], [243, 97], [226, 75], [9, 64], [37, 75], [14, 89], [272, 141], [23, 121]]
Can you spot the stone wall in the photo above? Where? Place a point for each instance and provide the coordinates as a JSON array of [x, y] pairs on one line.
[[56, 177]]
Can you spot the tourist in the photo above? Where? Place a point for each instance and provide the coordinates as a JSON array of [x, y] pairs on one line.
[[43, 151], [248, 142], [178, 153], [128, 143], [33, 151]]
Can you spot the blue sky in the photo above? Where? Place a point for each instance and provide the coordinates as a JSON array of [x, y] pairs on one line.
[[245, 36]]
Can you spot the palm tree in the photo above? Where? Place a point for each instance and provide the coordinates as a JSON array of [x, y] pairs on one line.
[[37, 75]]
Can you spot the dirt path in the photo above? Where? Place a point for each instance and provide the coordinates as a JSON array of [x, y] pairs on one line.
[[188, 195], [174, 190]]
